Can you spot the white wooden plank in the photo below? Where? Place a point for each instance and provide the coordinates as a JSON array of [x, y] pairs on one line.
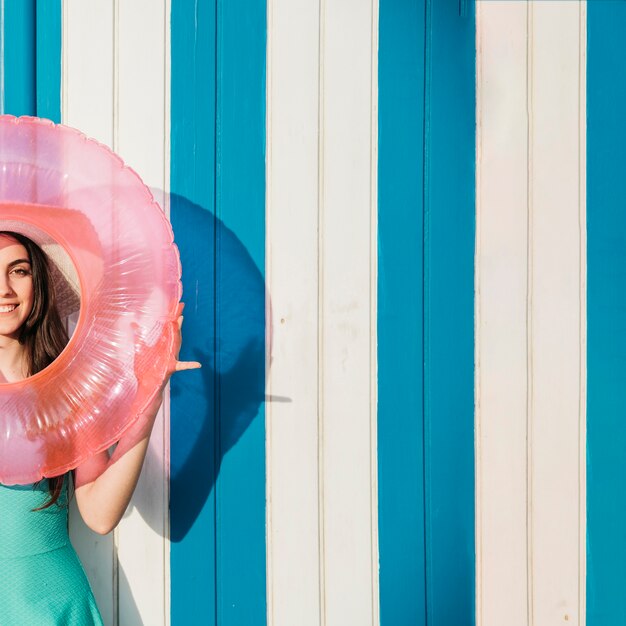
[[141, 141], [373, 301], [87, 68], [347, 327], [164, 200], [530, 332], [582, 408], [501, 288], [322, 549], [555, 323], [87, 104], [293, 556], [120, 97], [141, 88]]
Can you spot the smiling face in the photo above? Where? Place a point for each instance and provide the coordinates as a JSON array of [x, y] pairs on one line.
[[16, 287]]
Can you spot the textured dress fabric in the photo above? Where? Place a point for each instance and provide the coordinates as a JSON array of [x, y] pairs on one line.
[[42, 582]]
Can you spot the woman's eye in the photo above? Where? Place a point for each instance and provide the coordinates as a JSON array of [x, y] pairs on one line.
[[20, 271]]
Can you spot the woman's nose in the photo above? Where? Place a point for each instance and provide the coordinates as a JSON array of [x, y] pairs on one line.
[[5, 286]]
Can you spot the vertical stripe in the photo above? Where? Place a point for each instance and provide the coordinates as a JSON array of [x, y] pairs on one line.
[[582, 364], [606, 404], [346, 328], [48, 51], [426, 124], [321, 441], [294, 580], [400, 313], [139, 95], [556, 312], [531, 314], [115, 90], [217, 209], [240, 206], [373, 316], [87, 76], [501, 333], [87, 104], [20, 78], [87, 68], [30, 58], [448, 311], [193, 411], [321, 246]]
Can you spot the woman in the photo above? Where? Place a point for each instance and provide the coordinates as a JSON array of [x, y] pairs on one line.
[[41, 579]]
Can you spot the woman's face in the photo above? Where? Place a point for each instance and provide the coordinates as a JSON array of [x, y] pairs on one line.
[[16, 286]]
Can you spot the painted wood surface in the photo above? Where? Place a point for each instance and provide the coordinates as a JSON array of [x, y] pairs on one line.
[[449, 192], [557, 319], [606, 194], [218, 213], [48, 58], [531, 313], [240, 208], [426, 247], [114, 88], [347, 258], [501, 268], [193, 137], [141, 93], [19, 76], [294, 567], [401, 313], [321, 272]]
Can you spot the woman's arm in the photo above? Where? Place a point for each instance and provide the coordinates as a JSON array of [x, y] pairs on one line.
[[103, 485]]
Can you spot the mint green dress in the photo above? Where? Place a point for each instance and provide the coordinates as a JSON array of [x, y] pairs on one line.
[[42, 582]]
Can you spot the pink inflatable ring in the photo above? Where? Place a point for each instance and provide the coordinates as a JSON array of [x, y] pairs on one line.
[[76, 193]]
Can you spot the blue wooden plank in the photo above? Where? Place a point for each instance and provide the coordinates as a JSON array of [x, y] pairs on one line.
[[194, 449], [449, 226], [31, 66], [606, 319], [19, 66], [400, 312], [241, 206], [48, 61], [218, 214], [426, 323]]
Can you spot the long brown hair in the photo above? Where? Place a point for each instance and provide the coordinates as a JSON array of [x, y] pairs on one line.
[[43, 334]]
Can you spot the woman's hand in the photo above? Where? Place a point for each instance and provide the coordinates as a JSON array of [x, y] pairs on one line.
[[150, 412], [179, 366]]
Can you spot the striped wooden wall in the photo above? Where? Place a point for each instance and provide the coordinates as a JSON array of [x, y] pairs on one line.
[[410, 285]]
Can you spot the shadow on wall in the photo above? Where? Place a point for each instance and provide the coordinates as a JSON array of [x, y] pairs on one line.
[[224, 329]]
